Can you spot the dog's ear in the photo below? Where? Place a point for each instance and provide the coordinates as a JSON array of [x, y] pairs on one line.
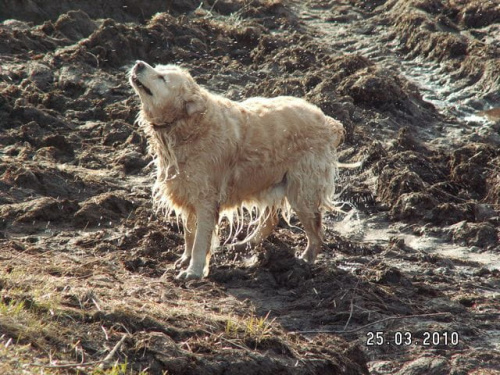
[[195, 104]]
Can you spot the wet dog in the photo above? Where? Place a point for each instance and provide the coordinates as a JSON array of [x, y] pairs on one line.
[[216, 157]]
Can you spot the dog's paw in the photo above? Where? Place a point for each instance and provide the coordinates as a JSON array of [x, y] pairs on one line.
[[189, 274], [183, 261]]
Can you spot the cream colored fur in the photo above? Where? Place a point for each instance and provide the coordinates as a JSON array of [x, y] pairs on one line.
[[215, 157]]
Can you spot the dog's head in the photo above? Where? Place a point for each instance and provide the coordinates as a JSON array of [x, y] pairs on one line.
[[167, 92]]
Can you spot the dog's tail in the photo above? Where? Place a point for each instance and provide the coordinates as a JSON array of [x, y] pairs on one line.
[[338, 128], [341, 133]]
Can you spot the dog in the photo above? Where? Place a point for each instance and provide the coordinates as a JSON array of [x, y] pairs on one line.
[[217, 158]]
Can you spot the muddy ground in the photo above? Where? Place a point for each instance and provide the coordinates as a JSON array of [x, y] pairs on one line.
[[409, 280]]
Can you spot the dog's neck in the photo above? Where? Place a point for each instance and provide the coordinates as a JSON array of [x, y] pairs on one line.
[[166, 125]]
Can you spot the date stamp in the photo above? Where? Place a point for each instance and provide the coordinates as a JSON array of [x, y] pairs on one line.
[[406, 338]]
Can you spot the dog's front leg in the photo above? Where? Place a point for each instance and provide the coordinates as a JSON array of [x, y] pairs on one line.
[[189, 223], [206, 220]]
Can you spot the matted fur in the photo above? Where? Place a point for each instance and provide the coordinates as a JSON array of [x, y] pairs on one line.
[[219, 158]]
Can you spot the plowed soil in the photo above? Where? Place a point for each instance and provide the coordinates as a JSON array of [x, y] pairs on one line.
[[408, 281]]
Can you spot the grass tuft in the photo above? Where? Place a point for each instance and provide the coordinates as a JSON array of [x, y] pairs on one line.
[[251, 328]]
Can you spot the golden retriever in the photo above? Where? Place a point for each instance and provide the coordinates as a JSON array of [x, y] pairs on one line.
[[215, 157]]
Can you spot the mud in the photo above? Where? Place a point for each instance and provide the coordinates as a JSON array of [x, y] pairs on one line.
[[417, 251]]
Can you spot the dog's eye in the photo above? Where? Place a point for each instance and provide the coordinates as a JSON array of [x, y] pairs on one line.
[[162, 77]]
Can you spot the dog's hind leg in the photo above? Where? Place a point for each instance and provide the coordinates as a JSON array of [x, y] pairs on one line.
[[310, 189], [312, 223], [305, 202]]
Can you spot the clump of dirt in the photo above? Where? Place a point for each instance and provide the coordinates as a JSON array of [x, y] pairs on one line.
[[468, 167], [75, 25], [88, 265], [477, 14], [102, 208], [493, 183]]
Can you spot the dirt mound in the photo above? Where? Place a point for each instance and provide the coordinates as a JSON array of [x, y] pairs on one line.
[[477, 14], [45, 209], [75, 25], [468, 167], [121, 10], [440, 32], [438, 190], [25, 181], [103, 208]]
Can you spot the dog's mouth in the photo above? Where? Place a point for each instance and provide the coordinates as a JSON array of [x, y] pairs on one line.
[[140, 85]]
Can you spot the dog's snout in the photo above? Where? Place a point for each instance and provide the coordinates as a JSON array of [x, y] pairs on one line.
[[139, 66]]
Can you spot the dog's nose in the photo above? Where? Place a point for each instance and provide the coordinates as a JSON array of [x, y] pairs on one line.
[[139, 65]]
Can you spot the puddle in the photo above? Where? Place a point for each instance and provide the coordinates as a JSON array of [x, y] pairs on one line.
[[361, 229]]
